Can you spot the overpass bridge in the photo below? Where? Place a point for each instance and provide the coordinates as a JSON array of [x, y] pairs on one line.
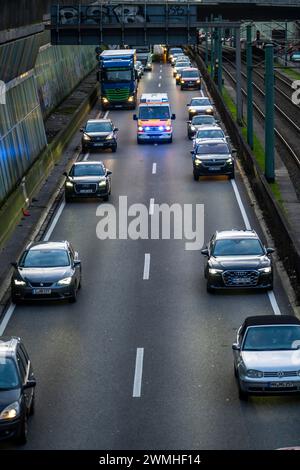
[[156, 21]]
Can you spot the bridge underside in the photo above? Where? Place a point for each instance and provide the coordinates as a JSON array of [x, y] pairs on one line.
[[151, 23]]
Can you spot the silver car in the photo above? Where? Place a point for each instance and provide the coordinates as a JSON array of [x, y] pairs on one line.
[[267, 355]]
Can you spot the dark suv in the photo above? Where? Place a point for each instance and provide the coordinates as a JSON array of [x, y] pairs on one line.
[[99, 134], [17, 385], [237, 259]]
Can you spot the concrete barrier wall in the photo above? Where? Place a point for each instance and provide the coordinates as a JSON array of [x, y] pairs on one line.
[[286, 245], [11, 211]]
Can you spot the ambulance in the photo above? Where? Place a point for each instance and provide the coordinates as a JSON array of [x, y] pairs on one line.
[[154, 118]]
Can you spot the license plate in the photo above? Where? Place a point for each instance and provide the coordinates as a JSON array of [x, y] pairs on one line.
[[118, 106], [213, 168], [41, 291], [98, 145], [241, 280], [281, 384], [86, 191]]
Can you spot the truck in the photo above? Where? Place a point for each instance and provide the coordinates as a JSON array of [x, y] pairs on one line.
[[118, 79], [154, 118]]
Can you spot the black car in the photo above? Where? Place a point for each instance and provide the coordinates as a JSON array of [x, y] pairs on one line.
[[88, 179], [237, 259], [46, 271], [17, 384], [213, 157], [99, 134], [200, 120]]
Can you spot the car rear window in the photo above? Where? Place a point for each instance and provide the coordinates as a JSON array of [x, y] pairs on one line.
[[202, 102], [98, 127], [197, 120], [210, 134]]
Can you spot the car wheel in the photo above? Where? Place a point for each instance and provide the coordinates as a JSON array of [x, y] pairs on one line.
[[231, 176], [139, 142], [242, 395], [68, 199], [171, 140], [73, 298], [196, 177], [22, 436], [106, 198], [235, 372], [114, 149], [210, 289], [15, 300], [32, 406], [181, 88]]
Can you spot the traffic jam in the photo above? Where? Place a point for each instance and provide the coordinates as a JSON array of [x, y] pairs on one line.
[[234, 259]]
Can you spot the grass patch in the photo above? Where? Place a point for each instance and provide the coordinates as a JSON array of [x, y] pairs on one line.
[[258, 149], [290, 72]]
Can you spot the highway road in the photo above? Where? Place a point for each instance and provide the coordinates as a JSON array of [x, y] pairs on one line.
[[85, 354]]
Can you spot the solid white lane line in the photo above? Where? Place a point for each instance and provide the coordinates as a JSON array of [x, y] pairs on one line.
[[98, 115], [146, 267], [6, 318], [106, 115], [154, 169], [85, 158], [138, 373], [271, 294], [241, 206], [274, 303], [54, 221], [151, 208]]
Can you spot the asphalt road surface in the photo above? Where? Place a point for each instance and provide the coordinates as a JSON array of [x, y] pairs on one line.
[[180, 337]]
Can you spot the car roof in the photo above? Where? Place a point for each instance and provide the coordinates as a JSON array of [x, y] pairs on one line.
[[234, 233], [95, 121], [8, 345], [202, 116], [190, 69], [200, 98], [257, 320], [220, 140], [211, 127], [90, 162], [43, 245]]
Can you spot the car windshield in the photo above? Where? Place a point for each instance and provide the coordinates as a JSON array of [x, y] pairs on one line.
[[9, 378], [117, 76], [45, 259], [190, 74], [238, 247], [154, 112], [212, 149], [87, 170], [197, 120], [210, 134], [272, 338], [98, 127], [176, 51], [203, 102], [296, 55]]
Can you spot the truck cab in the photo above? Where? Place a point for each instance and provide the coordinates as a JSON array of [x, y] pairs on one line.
[[154, 118]]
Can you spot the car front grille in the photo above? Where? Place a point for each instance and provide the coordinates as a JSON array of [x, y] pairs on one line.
[[117, 94], [216, 163], [240, 278], [281, 374], [98, 139], [41, 284], [91, 187]]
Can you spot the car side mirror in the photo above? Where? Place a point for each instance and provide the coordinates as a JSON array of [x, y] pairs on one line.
[[236, 347], [270, 250], [134, 117], [77, 263], [116, 129], [173, 116], [108, 172], [189, 122], [204, 252], [65, 174], [81, 129], [31, 383], [14, 264], [192, 152], [234, 151]]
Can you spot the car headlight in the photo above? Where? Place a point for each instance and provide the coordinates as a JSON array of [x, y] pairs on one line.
[[148, 65], [69, 184], [209, 110], [147, 128], [198, 81], [102, 184], [130, 99], [266, 270], [19, 282], [177, 76], [193, 128], [229, 160], [110, 136], [65, 282], [168, 128], [182, 81], [86, 137], [215, 271], [11, 411], [197, 161], [254, 374], [104, 99], [140, 128], [192, 110]]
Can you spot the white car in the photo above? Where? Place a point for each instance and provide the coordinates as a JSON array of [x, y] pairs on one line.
[[200, 105], [209, 133]]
